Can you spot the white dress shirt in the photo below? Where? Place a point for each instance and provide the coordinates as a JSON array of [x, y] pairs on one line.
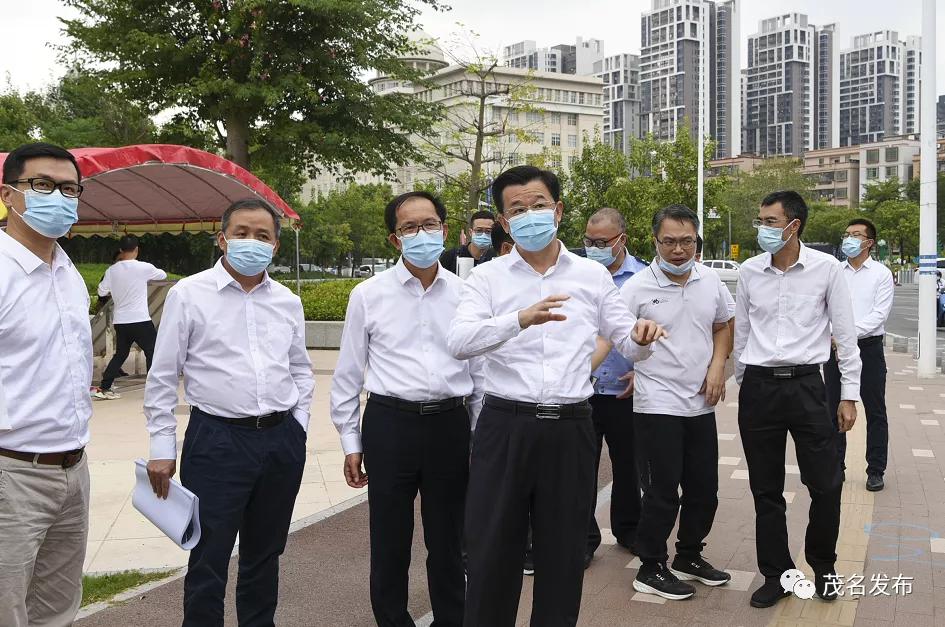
[[394, 344], [785, 318], [871, 288], [669, 381], [545, 363], [242, 354], [45, 351], [127, 282]]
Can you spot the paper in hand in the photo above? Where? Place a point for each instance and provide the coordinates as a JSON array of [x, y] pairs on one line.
[[177, 515]]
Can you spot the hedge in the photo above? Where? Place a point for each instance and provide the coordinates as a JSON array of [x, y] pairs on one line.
[[328, 300]]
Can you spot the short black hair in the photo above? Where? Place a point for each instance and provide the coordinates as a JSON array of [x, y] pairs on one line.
[[128, 243], [793, 203], [699, 244], [870, 227], [481, 215], [522, 175], [681, 213], [390, 211], [16, 161], [499, 237], [252, 203]]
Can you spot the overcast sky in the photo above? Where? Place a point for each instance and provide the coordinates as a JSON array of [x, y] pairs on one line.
[[31, 27]]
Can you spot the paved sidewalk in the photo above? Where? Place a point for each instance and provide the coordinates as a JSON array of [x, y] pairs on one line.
[[896, 531]]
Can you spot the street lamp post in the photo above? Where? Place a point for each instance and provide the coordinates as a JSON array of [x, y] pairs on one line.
[[927, 199]]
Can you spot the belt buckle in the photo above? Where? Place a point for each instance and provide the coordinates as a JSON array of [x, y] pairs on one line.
[[785, 372], [258, 420], [547, 412], [71, 459], [429, 408]]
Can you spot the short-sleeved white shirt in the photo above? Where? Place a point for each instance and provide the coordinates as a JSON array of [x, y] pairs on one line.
[[669, 381], [127, 282]]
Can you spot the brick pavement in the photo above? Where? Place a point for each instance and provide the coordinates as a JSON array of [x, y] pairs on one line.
[[896, 531]]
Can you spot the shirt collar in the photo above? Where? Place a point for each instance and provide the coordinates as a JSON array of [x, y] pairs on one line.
[[404, 275], [25, 257], [664, 281], [866, 264], [802, 258], [224, 278], [563, 253], [628, 266]]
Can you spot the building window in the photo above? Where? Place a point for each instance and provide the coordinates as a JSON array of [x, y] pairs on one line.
[[872, 156], [572, 119], [841, 176], [533, 117], [892, 155], [539, 138], [556, 139], [872, 174], [842, 192], [571, 161], [513, 117], [572, 141], [892, 171], [556, 119]]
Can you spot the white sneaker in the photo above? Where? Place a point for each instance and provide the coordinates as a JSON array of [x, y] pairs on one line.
[[106, 395]]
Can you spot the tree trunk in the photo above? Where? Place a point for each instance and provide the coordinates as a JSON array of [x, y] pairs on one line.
[[237, 140], [475, 173]]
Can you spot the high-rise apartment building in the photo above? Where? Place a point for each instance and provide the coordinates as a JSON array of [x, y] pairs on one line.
[[620, 75], [577, 58], [827, 89], [879, 88], [674, 34]]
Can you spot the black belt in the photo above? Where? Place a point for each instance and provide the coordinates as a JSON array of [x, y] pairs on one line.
[[542, 411], [253, 422], [784, 372], [63, 460], [424, 408], [871, 340]]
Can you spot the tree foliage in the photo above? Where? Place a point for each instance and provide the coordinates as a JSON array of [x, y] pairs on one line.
[[276, 82]]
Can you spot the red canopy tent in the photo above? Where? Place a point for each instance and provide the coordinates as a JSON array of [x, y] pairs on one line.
[[161, 188]]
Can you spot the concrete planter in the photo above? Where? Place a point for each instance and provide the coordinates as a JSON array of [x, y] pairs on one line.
[[323, 335]]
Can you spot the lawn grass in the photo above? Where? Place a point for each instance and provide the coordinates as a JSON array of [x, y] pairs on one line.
[[98, 588]]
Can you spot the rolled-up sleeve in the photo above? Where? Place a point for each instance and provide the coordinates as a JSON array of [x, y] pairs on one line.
[[160, 390]]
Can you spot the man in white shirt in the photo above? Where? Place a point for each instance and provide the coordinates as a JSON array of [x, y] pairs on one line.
[[239, 338], [788, 299], [421, 407], [871, 287], [535, 315], [127, 282], [45, 374], [675, 393]]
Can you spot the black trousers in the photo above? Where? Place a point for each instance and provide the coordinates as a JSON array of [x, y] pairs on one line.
[[674, 452], [406, 453], [613, 421], [247, 481], [141, 333], [873, 395], [524, 467], [769, 409]]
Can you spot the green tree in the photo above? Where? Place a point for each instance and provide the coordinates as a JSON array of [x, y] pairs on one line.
[[361, 209], [19, 122], [275, 81], [898, 223], [879, 192], [827, 224]]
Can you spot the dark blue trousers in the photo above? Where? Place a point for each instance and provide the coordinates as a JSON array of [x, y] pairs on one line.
[[247, 481]]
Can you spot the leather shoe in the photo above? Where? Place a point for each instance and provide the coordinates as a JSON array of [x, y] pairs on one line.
[[768, 594], [826, 585], [874, 483]]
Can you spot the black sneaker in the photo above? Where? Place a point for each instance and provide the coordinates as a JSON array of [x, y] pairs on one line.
[[529, 567], [769, 593], [874, 483], [660, 581], [827, 584], [697, 569]]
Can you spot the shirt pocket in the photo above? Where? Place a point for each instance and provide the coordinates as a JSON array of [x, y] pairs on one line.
[[804, 308], [278, 340]]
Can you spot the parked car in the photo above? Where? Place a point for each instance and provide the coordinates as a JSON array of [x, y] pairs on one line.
[[727, 269], [364, 271], [274, 269]]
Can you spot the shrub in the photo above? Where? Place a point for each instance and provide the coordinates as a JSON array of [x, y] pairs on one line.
[[327, 300]]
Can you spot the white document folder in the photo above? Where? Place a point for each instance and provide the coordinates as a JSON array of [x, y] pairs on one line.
[[177, 516]]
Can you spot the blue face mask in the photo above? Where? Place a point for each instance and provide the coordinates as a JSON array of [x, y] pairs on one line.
[[673, 269], [851, 246], [769, 238], [482, 240], [249, 257], [534, 229], [423, 249], [50, 215], [605, 256]]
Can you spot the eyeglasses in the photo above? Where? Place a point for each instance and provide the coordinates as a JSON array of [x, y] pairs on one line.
[[411, 230], [483, 231], [770, 222], [599, 243], [669, 243], [857, 235], [512, 212], [42, 185]]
